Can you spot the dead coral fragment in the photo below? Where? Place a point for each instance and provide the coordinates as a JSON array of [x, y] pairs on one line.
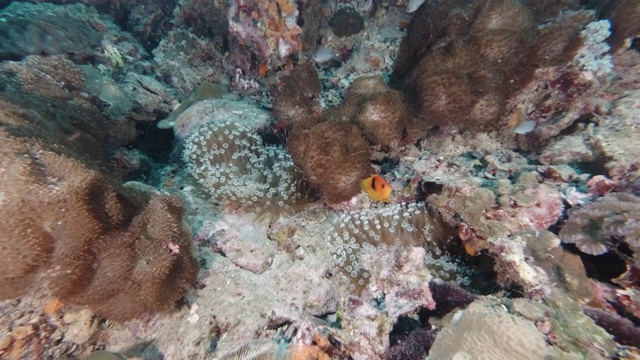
[[593, 227]]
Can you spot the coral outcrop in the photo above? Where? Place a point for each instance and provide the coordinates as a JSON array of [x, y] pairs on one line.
[[122, 253], [28, 29], [504, 336], [346, 22], [334, 157], [267, 30], [469, 83], [332, 148], [355, 234], [625, 19]]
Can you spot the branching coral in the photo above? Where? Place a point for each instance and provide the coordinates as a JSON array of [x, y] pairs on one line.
[[594, 227]]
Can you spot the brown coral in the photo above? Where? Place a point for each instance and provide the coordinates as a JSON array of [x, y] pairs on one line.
[[462, 58], [445, 98], [93, 244], [346, 22], [380, 112], [334, 157], [296, 102], [625, 21], [50, 76], [382, 117]]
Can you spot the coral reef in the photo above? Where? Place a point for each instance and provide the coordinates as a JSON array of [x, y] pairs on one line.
[[185, 60], [46, 29], [296, 102], [264, 29], [487, 118], [625, 331], [504, 336], [331, 147], [414, 347], [358, 233], [625, 18], [382, 114], [346, 22]]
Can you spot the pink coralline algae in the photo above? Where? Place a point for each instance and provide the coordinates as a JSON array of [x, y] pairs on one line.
[[544, 212], [267, 29]]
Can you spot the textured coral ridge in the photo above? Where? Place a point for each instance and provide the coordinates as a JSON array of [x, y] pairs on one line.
[[595, 227], [92, 244]]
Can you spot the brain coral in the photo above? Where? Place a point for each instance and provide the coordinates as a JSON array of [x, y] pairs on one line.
[[485, 331]]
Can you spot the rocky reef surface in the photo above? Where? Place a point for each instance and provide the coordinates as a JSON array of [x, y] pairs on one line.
[[182, 179]]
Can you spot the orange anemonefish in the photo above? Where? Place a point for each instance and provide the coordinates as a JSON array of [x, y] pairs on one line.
[[377, 188]]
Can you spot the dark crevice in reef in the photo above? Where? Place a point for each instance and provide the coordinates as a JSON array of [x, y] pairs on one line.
[[603, 267]]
